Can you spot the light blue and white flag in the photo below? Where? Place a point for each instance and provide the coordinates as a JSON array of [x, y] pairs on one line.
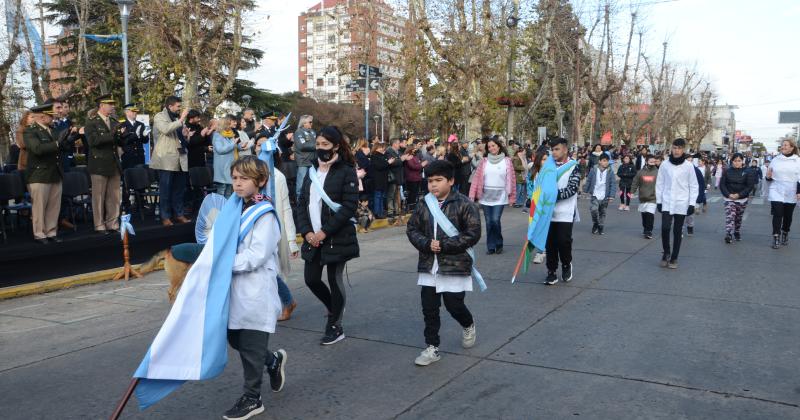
[[269, 149], [192, 343]]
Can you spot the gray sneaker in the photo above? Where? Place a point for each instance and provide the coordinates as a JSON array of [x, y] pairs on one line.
[[428, 356], [468, 337]]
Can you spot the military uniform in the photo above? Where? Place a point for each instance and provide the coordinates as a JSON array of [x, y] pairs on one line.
[[44, 177], [133, 141], [103, 136]]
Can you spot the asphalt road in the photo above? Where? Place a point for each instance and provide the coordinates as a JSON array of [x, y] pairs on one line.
[[716, 338]]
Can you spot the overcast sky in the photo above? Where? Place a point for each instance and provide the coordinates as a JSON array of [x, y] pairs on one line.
[[746, 48]]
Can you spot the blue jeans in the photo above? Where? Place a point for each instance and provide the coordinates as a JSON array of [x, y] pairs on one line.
[[377, 205], [171, 186], [522, 189], [284, 293], [494, 232], [223, 189], [301, 176]]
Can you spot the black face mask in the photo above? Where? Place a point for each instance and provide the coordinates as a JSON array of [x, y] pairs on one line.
[[325, 155]]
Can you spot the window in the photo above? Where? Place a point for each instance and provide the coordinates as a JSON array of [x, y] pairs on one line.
[[331, 81], [320, 82], [302, 81], [332, 96], [331, 39], [318, 27], [302, 68]]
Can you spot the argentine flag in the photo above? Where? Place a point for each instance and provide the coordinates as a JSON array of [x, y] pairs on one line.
[[192, 342]]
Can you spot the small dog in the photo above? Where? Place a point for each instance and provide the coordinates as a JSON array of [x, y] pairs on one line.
[[175, 269], [364, 216]]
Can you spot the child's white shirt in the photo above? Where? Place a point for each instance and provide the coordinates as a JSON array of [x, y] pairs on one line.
[[444, 282], [254, 300]]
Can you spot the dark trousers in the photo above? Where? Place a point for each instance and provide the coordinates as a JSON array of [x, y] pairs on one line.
[[781, 216], [413, 193], [453, 302], [648, 220], [332, 296], [253, 348], [171, 186], [494, 231], [674, 221], [559, 245]]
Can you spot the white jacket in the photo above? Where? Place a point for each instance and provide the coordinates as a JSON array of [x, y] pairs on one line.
[[254, 301], [288, 232], [566, 210], [676, 187], [785, 176]]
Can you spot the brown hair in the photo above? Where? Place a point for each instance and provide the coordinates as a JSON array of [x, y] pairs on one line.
[[253, 168], [794, 146]]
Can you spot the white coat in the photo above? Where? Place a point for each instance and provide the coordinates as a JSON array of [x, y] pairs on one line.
[[676, 187], [254, 300], [785, 177], [566, 210], [283, 206]]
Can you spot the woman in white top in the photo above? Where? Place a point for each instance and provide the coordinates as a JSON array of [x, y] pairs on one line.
[[494, 185], [676, 194], [783, 176]]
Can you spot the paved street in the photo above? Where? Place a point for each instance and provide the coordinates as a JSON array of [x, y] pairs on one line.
[[717, 338]]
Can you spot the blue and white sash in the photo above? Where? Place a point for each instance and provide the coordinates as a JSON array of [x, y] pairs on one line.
[[318, 187], [450, 230]]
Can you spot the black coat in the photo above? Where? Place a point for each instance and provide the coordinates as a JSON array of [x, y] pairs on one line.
[[625, 173], [341, 243], [396, 167], [379, 171], [453, 260], [133, 141], [198, 146], [736, 181]]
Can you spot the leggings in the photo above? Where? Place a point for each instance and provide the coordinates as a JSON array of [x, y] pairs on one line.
[[675, 221], [625, 192], [648, 220], [781, 216], [734, 212], [333, 298]]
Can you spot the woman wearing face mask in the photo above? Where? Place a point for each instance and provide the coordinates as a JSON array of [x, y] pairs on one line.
[[783, 181], [645, 183], [324, 218], [736, 186]]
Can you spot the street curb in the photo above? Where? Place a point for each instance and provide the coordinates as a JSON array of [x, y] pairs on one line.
[[63, 283], [95, 277]]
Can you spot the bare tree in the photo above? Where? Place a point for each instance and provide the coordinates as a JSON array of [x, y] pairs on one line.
[[13, 52]]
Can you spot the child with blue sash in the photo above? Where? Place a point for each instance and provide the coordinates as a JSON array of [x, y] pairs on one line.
[[445, 265]]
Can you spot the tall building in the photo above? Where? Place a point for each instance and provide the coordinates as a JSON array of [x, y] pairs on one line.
[[334, 36]]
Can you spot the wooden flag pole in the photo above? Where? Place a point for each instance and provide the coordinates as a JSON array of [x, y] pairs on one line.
[[125, 398], [127, 270]]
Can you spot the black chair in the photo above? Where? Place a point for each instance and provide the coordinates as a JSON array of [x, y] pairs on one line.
[[138, 183], [75, 191], [200, 178], [12, 188]]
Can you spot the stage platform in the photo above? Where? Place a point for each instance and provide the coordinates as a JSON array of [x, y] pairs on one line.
[[22, 260]]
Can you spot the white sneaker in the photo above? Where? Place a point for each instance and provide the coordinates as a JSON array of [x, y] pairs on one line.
[[539, 258], [468, 337], [428, 356]]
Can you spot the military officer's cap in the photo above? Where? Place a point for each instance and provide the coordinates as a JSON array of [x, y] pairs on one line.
[[105, 99], [45, 108], [270, 116], [131, 107]]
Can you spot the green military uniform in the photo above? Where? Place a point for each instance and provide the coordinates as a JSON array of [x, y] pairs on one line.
[[44, 176], [104, 168]]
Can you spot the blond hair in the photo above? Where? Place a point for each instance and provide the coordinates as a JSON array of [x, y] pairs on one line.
[[795, 151], [253, 168]]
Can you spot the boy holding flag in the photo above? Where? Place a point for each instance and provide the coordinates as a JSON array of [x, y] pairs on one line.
[[444, 231]]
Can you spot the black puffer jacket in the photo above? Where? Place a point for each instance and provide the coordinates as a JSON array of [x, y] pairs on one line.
[[625, 173], [341, 243], [736, 181], [453, 260]]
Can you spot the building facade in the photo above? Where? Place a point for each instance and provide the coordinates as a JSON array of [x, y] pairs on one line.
[[723, 125], [334, 36]]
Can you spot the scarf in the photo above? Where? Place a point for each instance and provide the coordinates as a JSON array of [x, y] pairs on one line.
[[597, 153], [325, 166], [677, 161], [495, 159], [228, 134]]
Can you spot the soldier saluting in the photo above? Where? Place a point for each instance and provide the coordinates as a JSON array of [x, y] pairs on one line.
[[104, 134], [44, 174]]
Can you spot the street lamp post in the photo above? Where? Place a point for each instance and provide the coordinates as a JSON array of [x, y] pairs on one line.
[[511, 23], [125, 7], [377, 118]]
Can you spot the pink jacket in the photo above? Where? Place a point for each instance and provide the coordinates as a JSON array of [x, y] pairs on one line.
[[476, 190]]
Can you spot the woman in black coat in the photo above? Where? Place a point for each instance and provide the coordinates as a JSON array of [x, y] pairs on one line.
[[626, 172], [379, 173], [327, 225]]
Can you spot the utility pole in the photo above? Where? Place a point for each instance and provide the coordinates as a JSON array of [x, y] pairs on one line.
[[511, 23], [576, 94], [366, 106]]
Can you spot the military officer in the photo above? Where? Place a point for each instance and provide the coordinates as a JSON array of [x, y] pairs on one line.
[[134, 139], [104, 134], [44, 174]]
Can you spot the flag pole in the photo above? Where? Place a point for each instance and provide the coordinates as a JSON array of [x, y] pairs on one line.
[[125, 398], [519, 261]]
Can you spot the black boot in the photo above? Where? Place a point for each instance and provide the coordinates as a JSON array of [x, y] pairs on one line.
[[728, 238], [784, 238], [776, 241]]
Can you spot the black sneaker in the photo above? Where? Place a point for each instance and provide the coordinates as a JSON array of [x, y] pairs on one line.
[[489, 252], [594, 229], [333, 334], [551, 279], [275, 370], [776, 241], [737, 236], [728, 238], [784, 238], [690, 230], [245, 408], [648, 235], [566, 273], [499, 250], [599, 230]]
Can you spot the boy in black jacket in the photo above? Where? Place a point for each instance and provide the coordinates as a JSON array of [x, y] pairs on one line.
[[444, 266]]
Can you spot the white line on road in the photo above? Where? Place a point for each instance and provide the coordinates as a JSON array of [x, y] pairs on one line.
[[21, 307], [714, 199]]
